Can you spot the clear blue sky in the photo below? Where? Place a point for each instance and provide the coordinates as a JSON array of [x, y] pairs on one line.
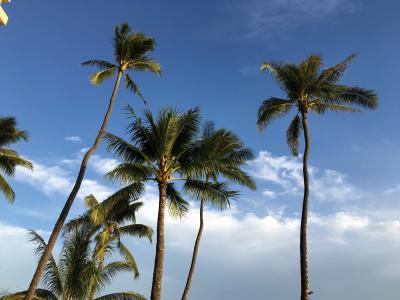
[[210, 52]]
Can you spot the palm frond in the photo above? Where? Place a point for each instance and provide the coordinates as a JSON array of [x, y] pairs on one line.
[[101, 64], [7, 190], [99, 77], [271, 109], [333, 74], [216, 193], [146, 64], [9, 133], [40, 294], [130, 172], [137, 230], [122, 296], [52, 279], [130, 262], [178, 207], [293, 134], [132, 86], [91, 201], [125, 195], [123, 149]]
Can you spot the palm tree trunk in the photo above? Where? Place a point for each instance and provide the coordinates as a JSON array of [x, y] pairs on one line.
[[304, 214], [159, 257], [64, 213], [195, 252]]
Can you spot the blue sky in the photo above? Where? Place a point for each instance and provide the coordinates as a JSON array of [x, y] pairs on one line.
[[210, 53]]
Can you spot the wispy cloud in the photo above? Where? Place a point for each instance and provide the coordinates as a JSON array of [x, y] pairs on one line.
[[73, 138], [285, 175], [54, 179], [265, 19]]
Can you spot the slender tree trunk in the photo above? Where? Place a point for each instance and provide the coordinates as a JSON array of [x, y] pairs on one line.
[[64, 213], [159, 257], [304, 214], [195, 253]]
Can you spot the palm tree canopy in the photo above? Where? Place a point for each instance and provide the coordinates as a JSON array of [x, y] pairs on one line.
[[156, 150], [78, 274], [310, 88], [9, 158], [220, 154], [110, 220], [130, 54], [167, 148]]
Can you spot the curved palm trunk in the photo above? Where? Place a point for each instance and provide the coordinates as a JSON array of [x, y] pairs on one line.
[[195, 253], [64, 213], [159, 257], [304, 214]]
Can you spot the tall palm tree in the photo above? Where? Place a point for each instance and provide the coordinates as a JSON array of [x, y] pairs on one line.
[[79, 273], [309, 88], [9, 158], [221, 154], [131, 54], [160, 150]]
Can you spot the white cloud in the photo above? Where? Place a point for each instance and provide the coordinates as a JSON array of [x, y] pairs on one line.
[[285, 173], [56, 180], [102, 165], [247, 257], [73, 138]]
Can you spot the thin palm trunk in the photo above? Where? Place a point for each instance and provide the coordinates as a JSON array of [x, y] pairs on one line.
[[195, 253], [159, 257], [64, 213], [304, 214]]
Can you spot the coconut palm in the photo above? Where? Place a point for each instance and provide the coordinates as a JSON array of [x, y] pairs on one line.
[[220, 154], [9, 158], [81, 271], [309, 88], [160, 150], [109, 219], [130, 54]]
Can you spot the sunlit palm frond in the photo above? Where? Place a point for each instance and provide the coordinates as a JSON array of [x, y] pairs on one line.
[[99, 77]]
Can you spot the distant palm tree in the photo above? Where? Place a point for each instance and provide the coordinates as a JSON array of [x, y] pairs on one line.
[[79, 274], [309, 88], [110, 220], [161, 151], [9, 158], [222, 154], [130, 50]]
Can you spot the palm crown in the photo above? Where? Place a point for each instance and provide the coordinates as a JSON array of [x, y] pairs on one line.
[[79, 274], [130, 54], [219, 154], [309, 88], [111, 221], [9, 158]]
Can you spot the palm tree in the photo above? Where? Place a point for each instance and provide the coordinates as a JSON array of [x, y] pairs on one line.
[[309, 88], [222, 154], [160, 150], [81, 271], [109, 220], [130, 51], [9, 158]]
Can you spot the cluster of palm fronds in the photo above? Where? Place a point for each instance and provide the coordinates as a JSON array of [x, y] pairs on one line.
[[164, 149]]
